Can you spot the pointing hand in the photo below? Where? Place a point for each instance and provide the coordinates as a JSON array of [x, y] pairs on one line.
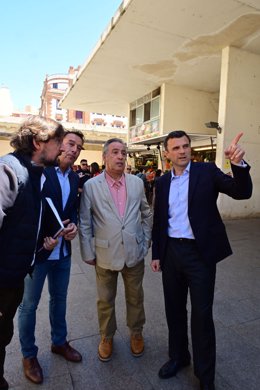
[[234, 152]]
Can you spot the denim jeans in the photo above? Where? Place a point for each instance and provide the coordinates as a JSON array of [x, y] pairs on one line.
[[58, 274]]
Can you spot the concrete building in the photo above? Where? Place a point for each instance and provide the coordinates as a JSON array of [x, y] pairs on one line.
[[54, 87], [97, 127], [195, 62]]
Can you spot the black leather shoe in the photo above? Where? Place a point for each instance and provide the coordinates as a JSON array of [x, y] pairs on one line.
[[208, 386], [171, 368]]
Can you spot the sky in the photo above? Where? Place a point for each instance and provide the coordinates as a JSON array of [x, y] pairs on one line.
[[39, 38]]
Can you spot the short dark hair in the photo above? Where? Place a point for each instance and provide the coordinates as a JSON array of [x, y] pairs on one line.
[[175, 134], [78, 133], [83, 160], [94, 168]]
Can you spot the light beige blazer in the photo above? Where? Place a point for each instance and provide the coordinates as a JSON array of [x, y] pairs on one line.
[[106, 237]]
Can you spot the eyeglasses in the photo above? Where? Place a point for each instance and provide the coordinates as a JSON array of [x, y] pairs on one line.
[[128, 169], [84, 165]]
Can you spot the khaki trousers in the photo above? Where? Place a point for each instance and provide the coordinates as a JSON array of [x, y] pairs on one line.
[[106, 293]]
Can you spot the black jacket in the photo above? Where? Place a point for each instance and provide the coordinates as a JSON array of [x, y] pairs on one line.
[[205, 183], [52, 189], [18, 233]]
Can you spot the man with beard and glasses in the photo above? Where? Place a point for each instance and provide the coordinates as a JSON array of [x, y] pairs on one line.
[[37, 143], [61, 186]]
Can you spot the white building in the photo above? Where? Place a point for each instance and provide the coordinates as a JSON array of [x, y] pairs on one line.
[[203, 57]]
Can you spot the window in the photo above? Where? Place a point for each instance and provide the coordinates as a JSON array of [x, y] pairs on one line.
[[58, 117], [55, 85], [57, 105], [156, 92], [147, 111], [132, 117], [139, 115], [79, 115], [155, 107]]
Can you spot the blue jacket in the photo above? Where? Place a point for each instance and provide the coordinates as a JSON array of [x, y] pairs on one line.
[[52, 189]]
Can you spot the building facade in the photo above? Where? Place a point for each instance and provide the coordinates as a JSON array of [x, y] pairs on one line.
[[182, 66], [97, 127]]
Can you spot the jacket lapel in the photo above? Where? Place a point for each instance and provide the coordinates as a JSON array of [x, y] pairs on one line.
[[194, 175], [54, 187], [73, 190], [128, 194], [166, 190], [107, 193]]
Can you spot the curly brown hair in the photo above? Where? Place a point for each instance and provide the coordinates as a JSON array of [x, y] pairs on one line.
[[36, 128]]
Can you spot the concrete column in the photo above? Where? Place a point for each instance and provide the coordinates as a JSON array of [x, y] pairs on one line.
[[239, 110]]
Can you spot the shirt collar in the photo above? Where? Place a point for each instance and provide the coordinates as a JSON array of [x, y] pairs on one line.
[[112, 181], [66, 173], [186, 170]]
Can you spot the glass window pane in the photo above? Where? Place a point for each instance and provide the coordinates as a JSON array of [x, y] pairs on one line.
[[132, 117], [139, 115], [155, 108], [147, 111]]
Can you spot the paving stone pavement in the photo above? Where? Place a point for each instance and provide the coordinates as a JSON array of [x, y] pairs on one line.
[[237, 321]]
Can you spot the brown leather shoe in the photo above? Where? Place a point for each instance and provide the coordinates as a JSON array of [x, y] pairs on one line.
[[137, 344], [105, 349], [67, 352], [32, 370]]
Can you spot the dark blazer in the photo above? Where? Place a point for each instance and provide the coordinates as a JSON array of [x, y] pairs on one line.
[[205, 183], [52, 189]]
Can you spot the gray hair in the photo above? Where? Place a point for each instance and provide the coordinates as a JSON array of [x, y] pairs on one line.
[[110, 141]]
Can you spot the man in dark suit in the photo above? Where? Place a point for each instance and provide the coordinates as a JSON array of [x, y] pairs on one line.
[[189, 238], [61, 185]]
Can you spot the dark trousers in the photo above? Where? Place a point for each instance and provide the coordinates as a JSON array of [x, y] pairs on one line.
[[10, 298], [184, 271]]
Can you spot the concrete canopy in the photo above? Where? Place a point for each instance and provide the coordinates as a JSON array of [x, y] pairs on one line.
[[150, 42]]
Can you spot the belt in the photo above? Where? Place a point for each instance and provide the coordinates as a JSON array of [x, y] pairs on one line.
[[181, 239]]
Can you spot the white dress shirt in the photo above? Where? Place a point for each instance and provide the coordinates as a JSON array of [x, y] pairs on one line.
[[178, 222]]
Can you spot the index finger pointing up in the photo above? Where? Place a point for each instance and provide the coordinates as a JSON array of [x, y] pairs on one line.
[[237, 138]]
